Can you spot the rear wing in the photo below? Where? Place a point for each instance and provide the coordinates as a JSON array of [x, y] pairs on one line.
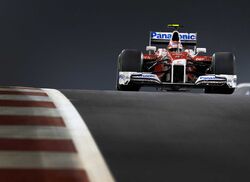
[[165, 37]]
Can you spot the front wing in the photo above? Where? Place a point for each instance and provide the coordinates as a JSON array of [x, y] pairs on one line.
[[149, 79]]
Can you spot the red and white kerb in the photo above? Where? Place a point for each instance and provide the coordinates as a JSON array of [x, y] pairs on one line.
[[44, 139]]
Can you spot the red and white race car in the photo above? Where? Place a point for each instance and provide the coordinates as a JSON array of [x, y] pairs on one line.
[[176, 63]]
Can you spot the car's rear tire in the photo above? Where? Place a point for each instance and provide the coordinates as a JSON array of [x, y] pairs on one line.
[[130, 61], [222, 63]]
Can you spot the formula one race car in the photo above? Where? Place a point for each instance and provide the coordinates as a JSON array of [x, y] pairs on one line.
[[176, 64]]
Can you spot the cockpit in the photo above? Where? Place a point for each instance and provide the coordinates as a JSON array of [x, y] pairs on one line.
[[175, 43]]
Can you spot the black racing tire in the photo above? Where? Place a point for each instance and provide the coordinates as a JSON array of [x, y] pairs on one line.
[[219, 90], [130, 87], [222, 63], [129, 60]]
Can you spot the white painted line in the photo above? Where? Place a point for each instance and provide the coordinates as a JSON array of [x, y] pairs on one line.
[[29, 111], [21, 90], [243, 85], [39, 160], [25, 98], [34, 132], [89, 153]]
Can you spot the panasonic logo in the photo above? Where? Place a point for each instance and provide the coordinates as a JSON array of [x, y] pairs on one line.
[[168, 36]]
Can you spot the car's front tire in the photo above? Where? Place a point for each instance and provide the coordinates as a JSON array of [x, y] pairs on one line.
[[222, 63], [129, 61]]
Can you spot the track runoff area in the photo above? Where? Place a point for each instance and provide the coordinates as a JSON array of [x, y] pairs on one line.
[[44, 139]]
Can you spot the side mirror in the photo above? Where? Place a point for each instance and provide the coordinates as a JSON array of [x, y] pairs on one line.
[[151, 48], [203, 50]]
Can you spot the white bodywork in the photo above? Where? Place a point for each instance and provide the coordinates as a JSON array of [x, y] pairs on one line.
[[125, 77], [231, 80], [151, 48]]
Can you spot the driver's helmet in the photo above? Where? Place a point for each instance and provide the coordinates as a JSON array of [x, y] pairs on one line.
[[175, 46]]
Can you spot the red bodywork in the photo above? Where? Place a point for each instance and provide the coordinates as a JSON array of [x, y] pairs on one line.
[[196, 65]]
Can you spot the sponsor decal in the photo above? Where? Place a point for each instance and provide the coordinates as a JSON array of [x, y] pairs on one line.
[[168, 36], [144, 76], [199, 59], [210, 78], [121, 76], [207, 77], [179, 62]]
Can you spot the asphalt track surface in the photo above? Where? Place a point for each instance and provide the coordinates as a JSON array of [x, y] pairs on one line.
[[148, 136]]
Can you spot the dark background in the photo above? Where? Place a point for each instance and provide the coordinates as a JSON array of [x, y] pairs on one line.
[[74, 44]]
